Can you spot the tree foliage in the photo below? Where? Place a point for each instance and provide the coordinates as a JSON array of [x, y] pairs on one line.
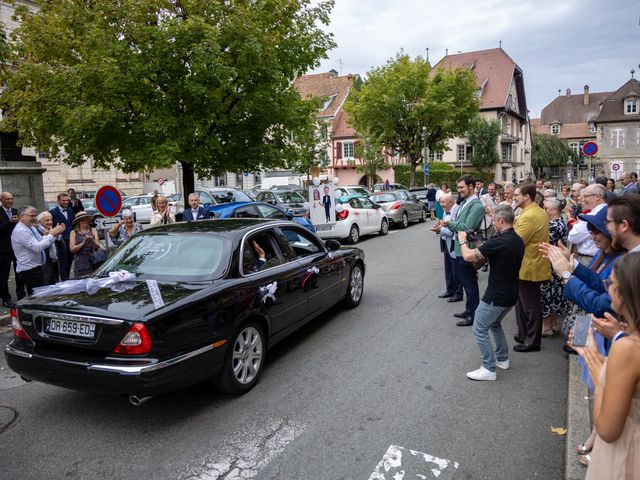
[[138, 84], [311, 144], [483, 135], [401, 97], [550, 151], [372, 159]]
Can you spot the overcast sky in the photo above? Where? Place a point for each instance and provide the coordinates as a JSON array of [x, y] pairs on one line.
[[559, 44]]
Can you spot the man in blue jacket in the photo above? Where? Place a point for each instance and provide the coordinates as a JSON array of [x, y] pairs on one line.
[[63, 214], [196, 212]]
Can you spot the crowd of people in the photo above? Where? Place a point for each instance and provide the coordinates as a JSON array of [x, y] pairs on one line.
[[62, 243], [554, 258]]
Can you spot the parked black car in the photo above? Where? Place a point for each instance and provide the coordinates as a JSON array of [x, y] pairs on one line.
[[202, 305]]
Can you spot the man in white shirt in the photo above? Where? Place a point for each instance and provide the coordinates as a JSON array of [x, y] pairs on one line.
[[51, 271], [594, 198], [29, 247]]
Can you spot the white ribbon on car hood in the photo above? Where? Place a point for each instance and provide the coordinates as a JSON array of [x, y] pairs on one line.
[[117, 281]]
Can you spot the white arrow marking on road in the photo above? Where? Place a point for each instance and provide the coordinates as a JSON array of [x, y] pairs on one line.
[[392, 468]]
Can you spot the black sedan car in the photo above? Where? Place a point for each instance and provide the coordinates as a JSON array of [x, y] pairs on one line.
[[202, 300]]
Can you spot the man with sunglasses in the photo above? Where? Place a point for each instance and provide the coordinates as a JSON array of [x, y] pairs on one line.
[[594, 199]]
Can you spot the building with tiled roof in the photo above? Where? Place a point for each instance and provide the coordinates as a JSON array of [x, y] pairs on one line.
[[611, 119], [331, 91], [502, 97], [618, 124]]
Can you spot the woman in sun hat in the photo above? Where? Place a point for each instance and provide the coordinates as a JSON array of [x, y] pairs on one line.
[[83, 240]]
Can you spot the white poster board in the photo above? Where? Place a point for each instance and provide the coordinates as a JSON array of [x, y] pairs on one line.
[[322, 204]]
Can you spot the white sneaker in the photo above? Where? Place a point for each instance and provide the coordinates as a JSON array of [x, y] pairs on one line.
[[481, 374], [503, 365]]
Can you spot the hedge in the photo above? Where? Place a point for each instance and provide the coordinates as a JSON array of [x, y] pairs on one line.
[[402, 175]]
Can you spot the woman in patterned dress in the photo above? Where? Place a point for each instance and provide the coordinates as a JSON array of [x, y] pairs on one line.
[[553, 305], [83, 240]]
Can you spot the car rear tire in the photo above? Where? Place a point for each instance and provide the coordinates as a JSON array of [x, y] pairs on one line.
[[354, 234], [244, 359], [423, 216], [355, 287], [404, 223], [384, 227]]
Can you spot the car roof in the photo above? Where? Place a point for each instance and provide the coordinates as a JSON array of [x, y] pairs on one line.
[[229, 227], [346, 198]]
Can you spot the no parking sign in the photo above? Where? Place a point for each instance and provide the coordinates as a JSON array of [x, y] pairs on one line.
[[108, 201]]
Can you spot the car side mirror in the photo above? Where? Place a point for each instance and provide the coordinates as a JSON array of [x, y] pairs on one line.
[[332, 245], [206, 205], [288, 214], [376, 206]]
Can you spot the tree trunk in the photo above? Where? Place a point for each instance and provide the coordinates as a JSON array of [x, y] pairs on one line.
[[412, 172], [188, 179]]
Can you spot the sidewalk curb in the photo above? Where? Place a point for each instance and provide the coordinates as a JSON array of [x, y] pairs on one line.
[[578, 425]]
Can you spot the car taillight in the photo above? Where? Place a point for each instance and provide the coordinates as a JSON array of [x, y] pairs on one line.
[[395, 206], [137, 341], [342, 215], [18, 331]]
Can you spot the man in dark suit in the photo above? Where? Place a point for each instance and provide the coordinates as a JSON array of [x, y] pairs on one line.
[[8, 220], [196, 212], [326, 202], [63, 214], [480, 190]]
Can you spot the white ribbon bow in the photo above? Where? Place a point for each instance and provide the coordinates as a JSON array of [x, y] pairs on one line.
[[115, 280], [269, 291]]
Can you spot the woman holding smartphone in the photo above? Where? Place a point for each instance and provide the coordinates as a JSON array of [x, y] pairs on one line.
[[616, 453]]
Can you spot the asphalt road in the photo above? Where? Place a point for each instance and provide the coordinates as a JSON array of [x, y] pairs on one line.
[[378, 392]]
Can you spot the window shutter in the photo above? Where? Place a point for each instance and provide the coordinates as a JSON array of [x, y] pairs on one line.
[[339, 150], [355, 148]]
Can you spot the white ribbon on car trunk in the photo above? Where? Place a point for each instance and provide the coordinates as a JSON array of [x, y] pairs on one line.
[[117, 281]]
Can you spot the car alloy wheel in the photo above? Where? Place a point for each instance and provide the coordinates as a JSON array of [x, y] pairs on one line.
[[405, 220], [355, 287], [384, 227], [244, 359], [354, 234]]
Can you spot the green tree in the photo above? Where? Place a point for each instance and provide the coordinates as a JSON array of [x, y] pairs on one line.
[[372, 159], [311, 144], [138, 84], [550, 151], [401, 97], [483, 135]]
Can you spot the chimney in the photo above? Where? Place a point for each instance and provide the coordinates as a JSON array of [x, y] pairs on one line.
[[586, 95], [568, 92]]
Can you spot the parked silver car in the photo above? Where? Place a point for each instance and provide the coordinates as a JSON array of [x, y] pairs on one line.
[[401, 206]]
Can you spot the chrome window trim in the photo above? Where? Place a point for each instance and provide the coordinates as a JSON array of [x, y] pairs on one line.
[[73, 317]]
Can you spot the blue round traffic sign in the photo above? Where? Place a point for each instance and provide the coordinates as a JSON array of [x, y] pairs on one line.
[[590, 149], [426, 169], [108, 201]]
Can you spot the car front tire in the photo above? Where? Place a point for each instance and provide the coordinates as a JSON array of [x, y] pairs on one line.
[[244, 359]]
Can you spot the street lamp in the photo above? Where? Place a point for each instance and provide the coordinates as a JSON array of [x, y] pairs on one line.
[[569, 169], [424, 151]]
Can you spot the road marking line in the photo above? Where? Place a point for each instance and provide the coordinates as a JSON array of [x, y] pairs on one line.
[[416, 465], [251, 449]]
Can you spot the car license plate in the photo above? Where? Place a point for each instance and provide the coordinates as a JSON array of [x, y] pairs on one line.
[[68, 327], [323, 228]]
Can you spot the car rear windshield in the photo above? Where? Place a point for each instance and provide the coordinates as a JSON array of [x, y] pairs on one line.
[[229, 197], [171, 256], [384, 197], [290, 197]]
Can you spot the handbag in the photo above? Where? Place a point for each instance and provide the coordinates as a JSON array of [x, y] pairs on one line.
[[98, 257]]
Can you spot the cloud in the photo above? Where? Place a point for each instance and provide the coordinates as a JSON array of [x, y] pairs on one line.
[[558, 44]]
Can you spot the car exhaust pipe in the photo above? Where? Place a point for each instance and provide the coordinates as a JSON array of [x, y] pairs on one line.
[[137, 401]]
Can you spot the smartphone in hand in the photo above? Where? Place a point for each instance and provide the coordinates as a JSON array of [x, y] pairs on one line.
[[581, 330]]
